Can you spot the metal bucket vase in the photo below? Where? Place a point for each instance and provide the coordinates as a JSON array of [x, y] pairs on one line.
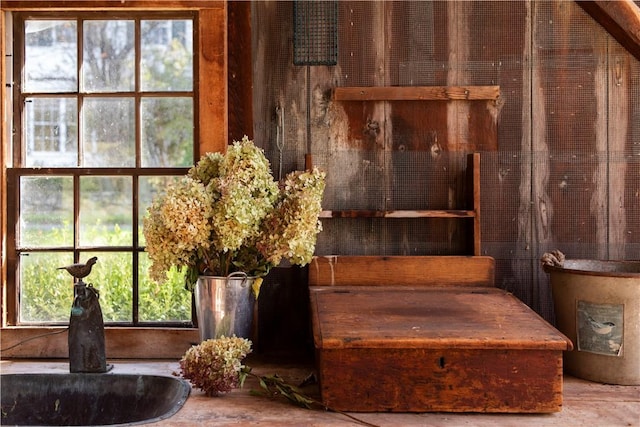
[[224, 306]]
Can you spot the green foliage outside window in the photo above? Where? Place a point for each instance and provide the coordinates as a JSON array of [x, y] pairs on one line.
[[47, 292]]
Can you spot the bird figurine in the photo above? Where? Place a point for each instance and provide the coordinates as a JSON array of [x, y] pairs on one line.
[[80, 270]]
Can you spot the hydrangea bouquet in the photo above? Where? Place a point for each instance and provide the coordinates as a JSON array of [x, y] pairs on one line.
[[229, 214]]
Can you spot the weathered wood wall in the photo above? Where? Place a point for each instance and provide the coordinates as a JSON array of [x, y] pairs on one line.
[[564, 173]]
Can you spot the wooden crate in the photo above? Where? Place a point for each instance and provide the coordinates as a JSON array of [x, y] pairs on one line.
[[432, 348]]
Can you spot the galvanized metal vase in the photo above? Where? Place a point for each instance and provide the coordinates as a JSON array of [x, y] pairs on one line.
[[224, 306]]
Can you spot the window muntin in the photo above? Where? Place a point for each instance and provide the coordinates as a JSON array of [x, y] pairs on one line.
[[110, 135]]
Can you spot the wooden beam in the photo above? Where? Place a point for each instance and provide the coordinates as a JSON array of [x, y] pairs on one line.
[[4, 145], [415, 270], [121, 342], [416, 93], [398, 214], [620, 18], [213, 111], [108, 4]]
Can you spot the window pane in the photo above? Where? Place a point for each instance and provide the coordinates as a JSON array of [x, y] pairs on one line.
[[105, 211], [166, 55], [108, 134], [46, 211], [112, 277], [51, 132], [46, 293], [167, 132], [167, 302], [51, 56], [108, 64], [149, 187]]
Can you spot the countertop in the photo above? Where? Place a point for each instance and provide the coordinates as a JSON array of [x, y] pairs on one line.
[[585, 403]]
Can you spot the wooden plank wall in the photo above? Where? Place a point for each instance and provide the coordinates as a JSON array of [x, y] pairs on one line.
[[564, 173]]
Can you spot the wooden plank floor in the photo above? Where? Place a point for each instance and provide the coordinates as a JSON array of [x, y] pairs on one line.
[[585, 403]]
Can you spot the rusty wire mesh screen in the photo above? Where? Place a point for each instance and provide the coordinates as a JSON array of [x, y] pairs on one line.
[[564, 175], [315, 32]]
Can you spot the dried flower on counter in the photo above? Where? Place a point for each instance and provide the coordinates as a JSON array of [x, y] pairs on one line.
[[215, 365]]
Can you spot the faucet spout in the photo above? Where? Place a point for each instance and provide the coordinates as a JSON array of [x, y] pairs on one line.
[[86, 331]]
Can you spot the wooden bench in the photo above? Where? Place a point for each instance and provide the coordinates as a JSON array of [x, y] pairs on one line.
[[429, 333]]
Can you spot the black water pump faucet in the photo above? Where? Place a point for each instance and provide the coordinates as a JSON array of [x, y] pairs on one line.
[[86, 325], [86, 331]]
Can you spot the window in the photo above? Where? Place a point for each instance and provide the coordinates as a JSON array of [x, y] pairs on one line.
[[105, 116]]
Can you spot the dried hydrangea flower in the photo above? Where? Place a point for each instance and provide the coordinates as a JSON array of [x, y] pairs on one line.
[[290, 230], [214, 365], [246, 193], [177, 227]]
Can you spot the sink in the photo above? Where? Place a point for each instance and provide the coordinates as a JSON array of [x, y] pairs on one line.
[[89, 399]]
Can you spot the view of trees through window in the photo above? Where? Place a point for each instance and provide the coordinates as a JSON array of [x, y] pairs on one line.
[[107, 121]]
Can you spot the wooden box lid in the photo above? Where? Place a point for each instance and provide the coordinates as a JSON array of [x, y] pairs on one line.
[[437, 317]]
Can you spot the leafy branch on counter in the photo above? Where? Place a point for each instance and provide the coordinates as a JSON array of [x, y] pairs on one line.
[[274, 386], [215, 366]]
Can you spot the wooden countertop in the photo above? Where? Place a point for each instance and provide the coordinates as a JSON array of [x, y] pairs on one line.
[[585, 403]]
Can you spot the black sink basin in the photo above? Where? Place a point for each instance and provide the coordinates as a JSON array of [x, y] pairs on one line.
[[89, 399]]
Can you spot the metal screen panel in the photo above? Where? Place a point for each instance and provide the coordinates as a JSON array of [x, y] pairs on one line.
[[315, 32]]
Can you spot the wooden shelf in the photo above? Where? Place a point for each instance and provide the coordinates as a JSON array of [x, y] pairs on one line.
[[417, 93], [398, 214], [472, 206], [426, 93]]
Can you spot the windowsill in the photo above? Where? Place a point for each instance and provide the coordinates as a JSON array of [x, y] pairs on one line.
[[121, 342]]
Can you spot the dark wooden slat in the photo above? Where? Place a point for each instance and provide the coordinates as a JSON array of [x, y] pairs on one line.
[[398, 214], [473, 174], [416, 93], [240, 74]]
